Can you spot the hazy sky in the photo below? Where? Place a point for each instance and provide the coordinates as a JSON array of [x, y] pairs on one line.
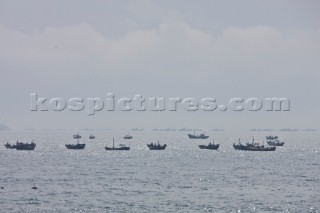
[[219, 49]]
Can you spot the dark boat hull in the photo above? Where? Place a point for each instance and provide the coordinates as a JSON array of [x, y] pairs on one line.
[[128, 137], [275, 143], [212, 147], [21, 146], [26, 147], [197, 137], [118, 148], [75, 146], [76, 136], [157, 147]]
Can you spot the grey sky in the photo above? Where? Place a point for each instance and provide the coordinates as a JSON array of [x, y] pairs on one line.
[[220, 49]]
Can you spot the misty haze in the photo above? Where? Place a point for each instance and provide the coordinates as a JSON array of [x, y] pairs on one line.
[[159, 106]]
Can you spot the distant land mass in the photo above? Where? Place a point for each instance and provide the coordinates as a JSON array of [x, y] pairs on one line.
[[265, 130], [165, 129], [56, 129], [137, 129], [77, 130], [217, 130], [289, 130], [188, 129], [87, 129], [4, 127], [310, 130]]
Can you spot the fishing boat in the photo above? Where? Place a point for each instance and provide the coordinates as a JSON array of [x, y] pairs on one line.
[[25, 146], [273, 141], [92, 137], [76, 146], [211, 146], [252, 146], [121, 147], [10, 146], [270, 137], [201, 136], [128, 137], [154, 146], [77, 136]]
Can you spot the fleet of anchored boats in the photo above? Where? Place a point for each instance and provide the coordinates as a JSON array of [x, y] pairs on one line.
[[272, 142]]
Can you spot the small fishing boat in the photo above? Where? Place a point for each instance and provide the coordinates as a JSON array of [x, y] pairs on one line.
[[154, 146], [271, 137], [121, 147], [34, 187], [128, 137], [92, 137], [76, 146], [77, 136], [273, 141], [10, 146], [201, 136], [25, 146], [252, 147], [211, 146]]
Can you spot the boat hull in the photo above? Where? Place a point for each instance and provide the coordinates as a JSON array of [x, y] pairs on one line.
[[254, 148], [275, 143], [117, 149], [75, 146], [127, 137], [212, 147], [21, 146], [26, 147], [157, 147], [197, 137]]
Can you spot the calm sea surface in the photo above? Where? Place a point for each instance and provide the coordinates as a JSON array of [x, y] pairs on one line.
[[181, 178]]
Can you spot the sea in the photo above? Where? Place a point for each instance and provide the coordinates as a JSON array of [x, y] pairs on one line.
[[181, 178]]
